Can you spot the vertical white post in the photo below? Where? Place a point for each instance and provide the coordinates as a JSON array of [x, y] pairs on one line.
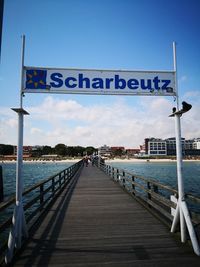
[[182, 212], [22, 69], [19, 183], [179, 174], [19, 224], [179, 151], [175, 70]]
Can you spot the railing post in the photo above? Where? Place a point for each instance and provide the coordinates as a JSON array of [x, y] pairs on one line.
[[104, 167], [53, 185], [110, 171], [1, 184], [64, 175], [155, 188], [113, 173], [117, 175], [60, 177], [149, 194], [124, 179], [41, 194], [107, 169], [70, 172], [133, 185]]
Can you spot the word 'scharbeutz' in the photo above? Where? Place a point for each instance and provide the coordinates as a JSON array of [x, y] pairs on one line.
[[79, 81]]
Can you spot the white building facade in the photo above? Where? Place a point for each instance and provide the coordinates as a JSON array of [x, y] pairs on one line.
[[196, 143], [157, 147]]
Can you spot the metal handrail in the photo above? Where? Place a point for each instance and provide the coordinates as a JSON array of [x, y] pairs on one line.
[[40, 195], [154, 195]]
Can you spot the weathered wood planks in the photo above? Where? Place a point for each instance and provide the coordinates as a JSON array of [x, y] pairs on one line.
[[98, 224]]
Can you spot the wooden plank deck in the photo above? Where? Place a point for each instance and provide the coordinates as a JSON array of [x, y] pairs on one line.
[[101, 225]]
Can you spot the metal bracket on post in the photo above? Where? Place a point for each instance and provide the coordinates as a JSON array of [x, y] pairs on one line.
[[182, 213], [19, 228]]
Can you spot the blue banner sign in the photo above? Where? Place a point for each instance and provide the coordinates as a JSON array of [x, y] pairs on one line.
[[110, 82]]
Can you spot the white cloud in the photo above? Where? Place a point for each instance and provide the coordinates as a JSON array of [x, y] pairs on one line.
[[35, 131], [12, 122], [55, 108], [192, 94], [67, 121], [118, 124], [8, 126], [182, 78]]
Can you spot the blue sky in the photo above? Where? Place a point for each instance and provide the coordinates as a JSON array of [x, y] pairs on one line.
[[106, 34]]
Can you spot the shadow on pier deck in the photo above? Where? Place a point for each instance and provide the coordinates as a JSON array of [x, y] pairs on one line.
[[98, 224]]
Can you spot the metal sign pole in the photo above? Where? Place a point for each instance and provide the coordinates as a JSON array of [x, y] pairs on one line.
[[19, 224], [182, 213], [179, 150]]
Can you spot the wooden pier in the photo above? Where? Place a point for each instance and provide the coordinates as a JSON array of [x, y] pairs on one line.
[[95, 223]]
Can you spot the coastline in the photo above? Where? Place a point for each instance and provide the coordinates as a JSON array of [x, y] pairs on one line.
[[148, 160], [42, 161], [74, 160]]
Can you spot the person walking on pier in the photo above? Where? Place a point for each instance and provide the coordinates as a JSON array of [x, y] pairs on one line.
[[86, 161]]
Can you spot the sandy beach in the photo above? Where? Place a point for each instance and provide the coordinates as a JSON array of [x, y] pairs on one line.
[[43, 161], [107, 161], [134, 160]]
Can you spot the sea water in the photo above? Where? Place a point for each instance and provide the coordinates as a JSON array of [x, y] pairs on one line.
[[164, 172], [33, 172]]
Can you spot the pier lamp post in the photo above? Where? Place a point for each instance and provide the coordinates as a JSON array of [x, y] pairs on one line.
[[19, 227], [182, 213]]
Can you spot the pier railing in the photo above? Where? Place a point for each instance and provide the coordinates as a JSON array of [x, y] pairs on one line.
[[36, 201], [155, 196]]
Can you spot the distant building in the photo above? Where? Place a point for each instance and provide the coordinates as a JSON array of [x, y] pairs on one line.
[[188, 144], [27, 151], [155, 147], [114, 148], [50, 157], [131, 152], [190, 147], [171, 145], [158, 147], [36, 148], [143, 151], [117, 151], [104, 151], [14, 157], [196, 143]]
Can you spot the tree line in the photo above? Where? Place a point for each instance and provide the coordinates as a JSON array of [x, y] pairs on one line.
[[59, 149]]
